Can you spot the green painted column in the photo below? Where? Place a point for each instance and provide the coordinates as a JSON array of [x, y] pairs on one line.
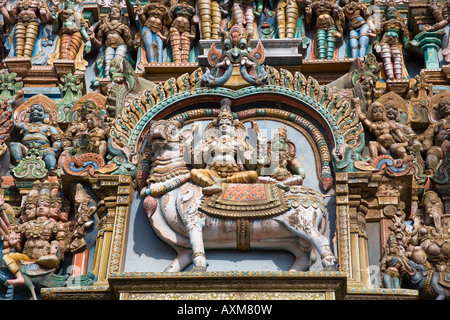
[[429, 42]]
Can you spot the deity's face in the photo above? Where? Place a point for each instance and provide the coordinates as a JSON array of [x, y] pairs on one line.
[[37, 113], [226, 126], [378, 113], [114, 14], [391, 13], [444, 108], [43, 208], [55, 210], [391, 111], [279, 143], [30, 211]]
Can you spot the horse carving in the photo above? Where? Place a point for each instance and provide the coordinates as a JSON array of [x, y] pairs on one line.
[[237, 212]]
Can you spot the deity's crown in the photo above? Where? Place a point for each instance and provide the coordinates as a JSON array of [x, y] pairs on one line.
[[225, 110]]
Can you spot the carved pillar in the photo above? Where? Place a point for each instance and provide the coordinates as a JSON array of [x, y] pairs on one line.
[[116, 194], [351, 207], [430, 43]]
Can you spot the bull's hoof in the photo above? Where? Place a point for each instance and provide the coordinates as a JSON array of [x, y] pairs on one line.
[[331, 268], [199, 269], [211, 190]]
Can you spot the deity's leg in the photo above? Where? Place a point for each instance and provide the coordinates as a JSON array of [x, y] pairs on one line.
[[19, 35], [331, 40], [185, 46], [243, 177], [175, 43], [281, 20], [109, 56], [17, 151], [204, 8], [149, 40], [69, 46], [397, 61], [31, 36], [363, 39], [215, 19], [291, 18], [321, 40], [387, 62], [120, 53], [354, 43], [238, 15], [249, 18], [49, 157]]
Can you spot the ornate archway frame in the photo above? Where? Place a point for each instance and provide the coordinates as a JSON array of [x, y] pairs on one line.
[[340, 126], [341, 129]]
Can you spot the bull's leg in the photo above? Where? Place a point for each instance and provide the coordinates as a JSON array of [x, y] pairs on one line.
[[187, 203], [302, 224], [183, 259], [302, 257], [198, 251]]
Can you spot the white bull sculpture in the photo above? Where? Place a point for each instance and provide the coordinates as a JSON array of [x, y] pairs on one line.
[[172, 204]]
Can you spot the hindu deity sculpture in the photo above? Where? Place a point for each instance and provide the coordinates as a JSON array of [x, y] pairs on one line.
[[442, 16], [39, 239], [73, 34], [436, 139], [225, 152], [360, 27], [329, 25], [392, 34], [116, 36], [182, 31], [27, 16], [86, 135], [155, 20], [281, 165], [393, 114], [384, 130], [36, 129]]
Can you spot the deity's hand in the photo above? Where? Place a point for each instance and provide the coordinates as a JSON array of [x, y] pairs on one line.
[[87, 47], [377, 46], [407, 45], [426, 27], [2, 199]]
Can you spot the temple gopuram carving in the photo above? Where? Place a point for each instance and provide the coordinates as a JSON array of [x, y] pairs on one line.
[[224, 150]]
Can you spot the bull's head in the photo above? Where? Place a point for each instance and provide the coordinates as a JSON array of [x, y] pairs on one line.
[[164, 132]]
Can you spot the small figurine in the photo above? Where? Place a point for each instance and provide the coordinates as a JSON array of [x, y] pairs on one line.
[[329, 25], [392, 34]]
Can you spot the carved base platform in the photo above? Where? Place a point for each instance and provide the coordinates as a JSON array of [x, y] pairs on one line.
[[230, 285], [41, 76], [326, 70], [399, 86], [160, 72]]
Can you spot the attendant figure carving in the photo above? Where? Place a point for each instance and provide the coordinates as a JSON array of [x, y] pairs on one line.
[[383, 129], [37, 129], [392, 35], [115, 36], [182, 31], [360, 27], [329, 25], [155, 20], [436, 139]]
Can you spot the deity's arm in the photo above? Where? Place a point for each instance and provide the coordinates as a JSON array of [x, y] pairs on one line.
[[295, 167], [140, 11], [127, 36], [56, 139], [98, 39], [428, 137], [45, 13]]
